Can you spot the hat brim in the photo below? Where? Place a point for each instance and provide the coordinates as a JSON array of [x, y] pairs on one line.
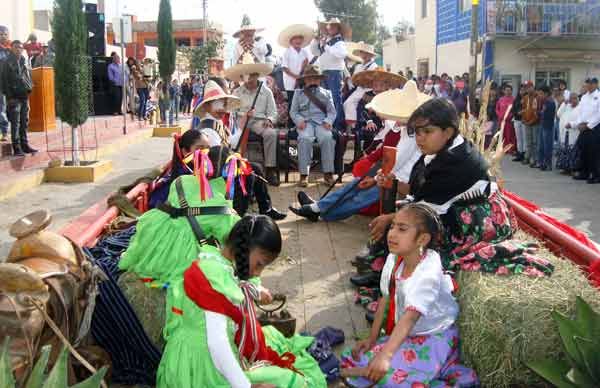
[[345, 29], [231, 103], [235, 72], [296, 30], [247, 28], [366, 78], [396, 104], [358, 51], [303, 77]]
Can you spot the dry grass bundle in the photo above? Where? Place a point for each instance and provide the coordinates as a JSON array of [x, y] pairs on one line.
[[148, 304], [505, 320]]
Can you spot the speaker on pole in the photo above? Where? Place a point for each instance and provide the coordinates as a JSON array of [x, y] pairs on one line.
[[101, 85]]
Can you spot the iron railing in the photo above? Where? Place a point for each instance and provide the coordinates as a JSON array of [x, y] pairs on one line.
[[561, 18]]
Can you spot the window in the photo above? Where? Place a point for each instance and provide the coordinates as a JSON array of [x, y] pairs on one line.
[[423, 9], [551, 77], [423, 68], [464, 5]]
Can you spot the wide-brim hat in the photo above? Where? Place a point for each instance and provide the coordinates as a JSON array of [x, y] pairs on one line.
[[296, 30], [350, 46], [311, 71], [247, 27], [247, 67], [345, 29], [364, 48], [396, 104], [366, 78], [213, 92]]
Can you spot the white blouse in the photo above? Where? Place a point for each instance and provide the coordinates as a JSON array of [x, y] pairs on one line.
[[428, 290]]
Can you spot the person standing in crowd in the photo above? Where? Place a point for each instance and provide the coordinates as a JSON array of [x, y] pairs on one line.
[[333, 52], [249, 43], [16, 85], [141, 85], [130, 86], [367, 53], [186, 91], [502, 106], [518, 124], [32, 47], [295, 59], [115, 76], [559, 97], [546, 131], [562, 86], [163, 101], [174, 97], [4, 53], [459, 96], [567, 114], [197, 90], [445, 86], [530, 120], [45, 59], [588, 142]]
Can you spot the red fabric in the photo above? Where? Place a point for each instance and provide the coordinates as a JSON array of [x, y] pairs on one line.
[[595, 273], [198, 288], [371, 211], [33, 49], [361, 167], [510, 138], [391, 317], [391, 139]]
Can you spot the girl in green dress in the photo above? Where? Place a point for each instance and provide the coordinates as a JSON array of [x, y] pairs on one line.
[[218, 341]]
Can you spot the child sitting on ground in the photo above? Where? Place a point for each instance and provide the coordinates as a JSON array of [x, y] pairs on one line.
[[420, 347]]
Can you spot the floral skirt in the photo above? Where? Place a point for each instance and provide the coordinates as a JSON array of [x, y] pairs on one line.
[[421, 361], [478, 238]]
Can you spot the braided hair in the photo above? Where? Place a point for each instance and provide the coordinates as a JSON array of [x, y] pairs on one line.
[[251, 232], [218, 157], [429, 222], [186, 141]]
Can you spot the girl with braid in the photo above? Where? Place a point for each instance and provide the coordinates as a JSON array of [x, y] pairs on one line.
[[218, 341], [417, 311]]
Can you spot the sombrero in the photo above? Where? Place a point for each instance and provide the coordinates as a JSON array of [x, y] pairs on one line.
[[212, 92], [350, 46], [247, 27], [398, 104], [345, 29], [311, 71], [365, 48], [247, 67], [366, 78], [296, 30]]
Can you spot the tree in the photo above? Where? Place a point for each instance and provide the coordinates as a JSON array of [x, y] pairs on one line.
[[383, 33], [166, 42], [246, 20], [361, 15], [71, 66], [196, 58], [402, 29]]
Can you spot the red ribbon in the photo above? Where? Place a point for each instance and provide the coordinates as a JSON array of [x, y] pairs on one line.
[[203, 169]]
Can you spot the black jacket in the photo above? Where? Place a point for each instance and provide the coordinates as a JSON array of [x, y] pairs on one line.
[[15, 78]]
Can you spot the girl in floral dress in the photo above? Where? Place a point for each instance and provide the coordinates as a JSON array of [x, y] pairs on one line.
[[417, 312]]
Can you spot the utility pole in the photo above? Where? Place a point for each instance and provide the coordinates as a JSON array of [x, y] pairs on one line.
[[474, 52]]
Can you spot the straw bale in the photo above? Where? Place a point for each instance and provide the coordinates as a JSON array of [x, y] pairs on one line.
[[505, 320], [148, 304]]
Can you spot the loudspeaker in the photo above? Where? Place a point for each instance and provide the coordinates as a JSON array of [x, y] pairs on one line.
[[102, 104], [90, 8], [96, 34], [101, 85]]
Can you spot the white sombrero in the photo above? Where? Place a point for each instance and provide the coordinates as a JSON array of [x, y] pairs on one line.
[[247, 67], [350, 46], [247, 27], [212, 92], [345, 29], [398, 105], [365, 48], [296, 30], [366, 78]]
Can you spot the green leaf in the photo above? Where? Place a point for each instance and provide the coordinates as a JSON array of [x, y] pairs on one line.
[[92, 381], [36, 378], [587, 318], [568, 329], [553, 371], [6, 377], [58, 375], [581, 379], [590, 353]]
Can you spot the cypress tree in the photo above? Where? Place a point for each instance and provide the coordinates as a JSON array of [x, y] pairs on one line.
[[166, 42]]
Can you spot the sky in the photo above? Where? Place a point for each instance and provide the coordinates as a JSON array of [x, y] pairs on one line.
[[273, 15]]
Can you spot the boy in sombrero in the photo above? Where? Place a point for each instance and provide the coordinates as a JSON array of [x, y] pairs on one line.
[[248, 43], [313, 113], [367, 53]]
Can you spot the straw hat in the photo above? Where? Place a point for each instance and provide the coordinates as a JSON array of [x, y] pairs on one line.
[[312, 71], [366, 78], [247, 27], [212, 92], [296, 30], [364, 48], [247, 67], [350, 46], [398, 104], [345, 29]]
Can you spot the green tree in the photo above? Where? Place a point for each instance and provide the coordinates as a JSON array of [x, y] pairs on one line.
[[383, 33], [196, 57], [246, 20], [166, 42], [361, 15]]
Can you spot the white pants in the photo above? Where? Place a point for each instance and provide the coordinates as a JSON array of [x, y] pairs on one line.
[[306, 139], [520, 134]]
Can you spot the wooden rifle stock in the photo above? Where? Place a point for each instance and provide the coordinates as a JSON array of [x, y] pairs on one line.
[[242, 145]]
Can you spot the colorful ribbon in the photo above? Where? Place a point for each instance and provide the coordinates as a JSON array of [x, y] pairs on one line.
[[203, 169], [236, 167]]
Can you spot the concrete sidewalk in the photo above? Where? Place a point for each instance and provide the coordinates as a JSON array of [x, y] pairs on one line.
[[67, 201]]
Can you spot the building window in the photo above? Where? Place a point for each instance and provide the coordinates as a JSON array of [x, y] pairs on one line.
[[423, 68], [464, 5], [423, 9], [550, 77]]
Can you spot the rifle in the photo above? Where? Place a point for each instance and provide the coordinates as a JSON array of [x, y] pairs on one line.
[[243, 143]]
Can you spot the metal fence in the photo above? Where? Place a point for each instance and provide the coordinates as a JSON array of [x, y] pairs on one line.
[[550, 17]]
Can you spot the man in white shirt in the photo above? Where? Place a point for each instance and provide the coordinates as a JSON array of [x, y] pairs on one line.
[[332, 61], [367, 54], [249, 43], [588, 141]]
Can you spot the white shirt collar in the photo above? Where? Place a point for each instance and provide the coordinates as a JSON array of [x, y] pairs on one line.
[[458, 140]]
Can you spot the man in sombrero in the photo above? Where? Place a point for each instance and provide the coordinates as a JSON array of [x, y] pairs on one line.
[[367, 53], [210, 112], [249, 43]]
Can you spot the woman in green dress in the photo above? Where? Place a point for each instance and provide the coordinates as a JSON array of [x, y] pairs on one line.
[[218, 341]]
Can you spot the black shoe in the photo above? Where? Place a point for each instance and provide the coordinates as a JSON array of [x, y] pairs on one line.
[[306, 212], [543, 168], [593, 180], [581, 177], [519, 157], [370, 316], [27, 149], [370, 279], [304, 199], [534, 165], [17, 151], [273, 177], [275, 214]]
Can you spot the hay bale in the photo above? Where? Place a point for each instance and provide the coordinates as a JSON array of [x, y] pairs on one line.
[[505, 320], [148, 304]]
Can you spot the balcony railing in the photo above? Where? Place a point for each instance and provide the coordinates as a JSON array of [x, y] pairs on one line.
[[561, 18]]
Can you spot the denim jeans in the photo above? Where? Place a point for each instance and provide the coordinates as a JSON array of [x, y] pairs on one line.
[[18, 115], [333, 82], [306, 139], [545, 146], [531, 136], [174, 110], [144, 96], [352, 203], [3, 119]]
